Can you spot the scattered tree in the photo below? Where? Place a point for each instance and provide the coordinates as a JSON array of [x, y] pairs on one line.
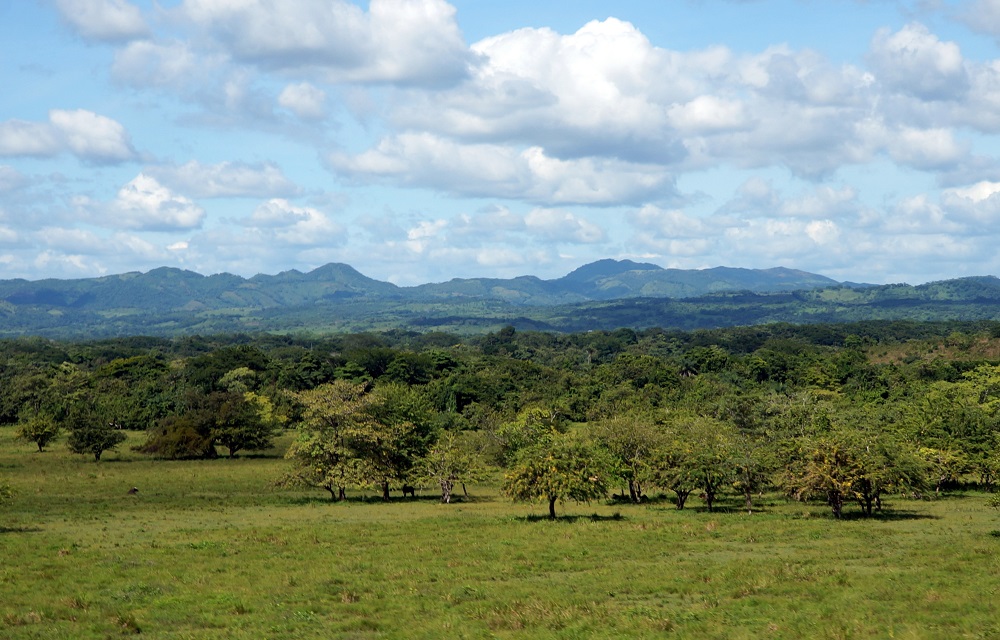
[[39, 428], [562, 466]]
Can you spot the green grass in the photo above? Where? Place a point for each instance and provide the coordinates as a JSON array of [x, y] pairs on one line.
[[208, 549]]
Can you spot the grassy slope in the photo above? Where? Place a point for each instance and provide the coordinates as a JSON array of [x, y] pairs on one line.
[[209, 550]]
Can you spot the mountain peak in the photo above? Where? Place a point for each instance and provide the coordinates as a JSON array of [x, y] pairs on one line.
[[606, 268]]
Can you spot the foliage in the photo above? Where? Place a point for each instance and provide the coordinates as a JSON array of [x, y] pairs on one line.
[[560, 467], [39, 428], [632, 442], [90, 432], [454, 459]]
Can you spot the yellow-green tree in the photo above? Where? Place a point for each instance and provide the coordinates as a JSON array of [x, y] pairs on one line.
[[561, 467]]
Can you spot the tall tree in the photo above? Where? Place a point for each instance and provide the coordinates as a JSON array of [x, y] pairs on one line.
[[563, 466]]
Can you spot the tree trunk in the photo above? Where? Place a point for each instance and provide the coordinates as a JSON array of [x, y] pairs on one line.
[[632, 493], [385, 490], [333, 494], [748, 495], [446, 487], [682, 497], [552, 507], [836, 503], [465, 491]]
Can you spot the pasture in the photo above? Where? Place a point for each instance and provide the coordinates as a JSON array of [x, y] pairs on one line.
[[209, 549]]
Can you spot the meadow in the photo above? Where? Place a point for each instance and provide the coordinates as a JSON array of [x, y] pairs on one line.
[[211, 549]]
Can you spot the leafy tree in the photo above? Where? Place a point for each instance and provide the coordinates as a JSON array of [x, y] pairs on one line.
[[562, 466], [39, 428], [852, 465], [243, 423], [531, 426], [451, 460], [945, 465], [90, 432], [695, 455], [631, 442], [323, 455], [396, 433]]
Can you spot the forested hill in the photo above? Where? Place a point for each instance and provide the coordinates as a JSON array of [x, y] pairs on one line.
[[603, 295]]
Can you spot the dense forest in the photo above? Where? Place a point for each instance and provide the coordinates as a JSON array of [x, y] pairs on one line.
[[844, 413]]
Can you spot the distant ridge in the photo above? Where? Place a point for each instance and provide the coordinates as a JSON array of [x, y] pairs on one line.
[[606, 294]]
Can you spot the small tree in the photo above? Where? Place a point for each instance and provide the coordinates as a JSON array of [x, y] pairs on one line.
[[243, 423], [562, 466], [696, 454], [450, 460], [91, 432], [40, 428], [631, 441]]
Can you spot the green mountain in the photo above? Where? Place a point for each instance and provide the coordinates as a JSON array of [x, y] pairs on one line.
[[607, 294]]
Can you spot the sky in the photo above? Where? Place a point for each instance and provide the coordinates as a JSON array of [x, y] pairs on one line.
[[421, 140]]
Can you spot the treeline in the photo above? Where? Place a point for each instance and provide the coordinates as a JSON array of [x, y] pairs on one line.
[[846, 413]]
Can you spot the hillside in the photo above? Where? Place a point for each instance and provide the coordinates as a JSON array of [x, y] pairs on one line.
[[602, 295]]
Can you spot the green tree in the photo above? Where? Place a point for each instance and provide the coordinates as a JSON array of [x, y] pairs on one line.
[[452, 459], [560, 467], [631, 442], [696, 454], [39, 428], [90, 432], [323, 455], [243, 422], [849, 464]]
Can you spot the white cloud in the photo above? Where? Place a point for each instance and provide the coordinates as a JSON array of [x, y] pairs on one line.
[[914, 61], [225, 179], [304, 100], [562, 226], [501, 171], [93, 137], [144, 204], [89, 136], [23, 138], [173, 64], [408, 41], [926, 149], [983, 16], [110, 20], [285, 223]]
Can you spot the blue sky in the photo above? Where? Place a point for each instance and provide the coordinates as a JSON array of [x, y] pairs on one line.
[[421, 140]]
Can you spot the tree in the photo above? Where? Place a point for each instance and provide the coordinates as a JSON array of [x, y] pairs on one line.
[[323, 454], [91, 432], [562, 466], [40, 428], [242, 422], [631, 441], [696, 454], [848, 464], [449, 461]]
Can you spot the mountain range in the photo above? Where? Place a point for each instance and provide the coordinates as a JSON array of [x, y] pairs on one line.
[[599, 295]]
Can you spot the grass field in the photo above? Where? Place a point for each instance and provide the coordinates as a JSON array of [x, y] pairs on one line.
[[208, 549]]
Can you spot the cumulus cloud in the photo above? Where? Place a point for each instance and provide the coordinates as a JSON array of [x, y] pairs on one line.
[[914, 61], [289, 224], [173, 64], [108, 20], [563, 226], [91, 137], [304, 100], [225, 179], [145, 204], [502, 171], [394, 41]]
